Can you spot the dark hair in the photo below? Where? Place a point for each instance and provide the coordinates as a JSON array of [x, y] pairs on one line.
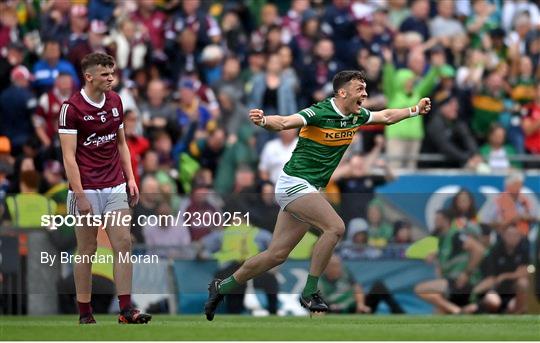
[[30, 178], [95, 59], [345, 76], [471, 211], [446, 213]]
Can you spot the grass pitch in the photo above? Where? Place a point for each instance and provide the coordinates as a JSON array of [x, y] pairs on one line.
[[242, 328]]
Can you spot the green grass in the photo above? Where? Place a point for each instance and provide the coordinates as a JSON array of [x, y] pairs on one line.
[[351, 327]]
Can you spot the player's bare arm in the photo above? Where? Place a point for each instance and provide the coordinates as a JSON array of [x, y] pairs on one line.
[[68, 143], [125, 160], [392, 116], [276, 123]]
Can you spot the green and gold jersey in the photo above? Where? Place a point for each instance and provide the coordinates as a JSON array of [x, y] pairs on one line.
[[323, 140]]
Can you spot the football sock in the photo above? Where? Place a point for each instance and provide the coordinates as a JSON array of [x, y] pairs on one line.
[[84, 308], [125, 301], [311, 285], [227, 285]]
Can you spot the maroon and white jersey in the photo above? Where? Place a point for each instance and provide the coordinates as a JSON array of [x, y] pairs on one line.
[[96, 126]]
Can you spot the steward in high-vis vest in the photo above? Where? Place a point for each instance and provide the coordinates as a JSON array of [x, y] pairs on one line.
[[233, 245], [27, 208]]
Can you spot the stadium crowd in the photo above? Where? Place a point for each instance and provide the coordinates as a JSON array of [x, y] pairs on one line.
[[189, 70]]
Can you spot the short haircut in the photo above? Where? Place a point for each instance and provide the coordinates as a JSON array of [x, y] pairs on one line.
[[345, 76], [445, 213], [96, 59], [30, 178]]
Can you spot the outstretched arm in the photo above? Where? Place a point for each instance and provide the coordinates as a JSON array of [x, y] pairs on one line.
[[392, 116], [276, 123]]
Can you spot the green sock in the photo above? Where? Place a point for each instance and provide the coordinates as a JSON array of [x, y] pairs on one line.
[[227, 285], [311, 285]]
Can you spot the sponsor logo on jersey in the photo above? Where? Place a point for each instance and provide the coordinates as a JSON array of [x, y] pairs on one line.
[[99, 140], [88, 117], [328, 136]]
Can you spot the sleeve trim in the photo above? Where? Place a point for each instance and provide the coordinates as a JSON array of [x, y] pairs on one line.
[[370, 117], [301, 116], [67, 131], [121, 126]]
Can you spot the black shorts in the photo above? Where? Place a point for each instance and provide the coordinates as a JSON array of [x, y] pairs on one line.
[[459, 296]]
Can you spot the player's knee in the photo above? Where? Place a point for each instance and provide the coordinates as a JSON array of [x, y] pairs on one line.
[[492, 302], [278, 256], [122, 245], [338, 229], [522, 284], [87, 249]]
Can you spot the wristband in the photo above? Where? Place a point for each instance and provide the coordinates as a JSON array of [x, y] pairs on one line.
[[263, 122], [414, 111]]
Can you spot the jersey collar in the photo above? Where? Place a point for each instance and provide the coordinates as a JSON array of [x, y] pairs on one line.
[[88, 100], [336, 108]]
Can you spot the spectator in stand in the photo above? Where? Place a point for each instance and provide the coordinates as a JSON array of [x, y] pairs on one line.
[[153, 20], [355, 246], [190, 110], [357, 180], [345, 295], [269, 18], [275, 154], [481, 22], [197, 207], [488, 104], [338, 25], [450, 136], [464, 212], [380, 231], [292, 21], [231, 77], [496, 153], [45, 118], [511, 207], [458, 256], [506, 284], [131, 45], [233, 111], [13, 57], [418, 20], [189, 58], [531, 124], [157, 111], [137, 144], [54, 21], [444, 26], [93, 40], [263, 213], [190, 17], [78, 24], [318, 73], [235, 37], [207, 151], [17, 105], [272, 91], [403, 89], [50, 65]]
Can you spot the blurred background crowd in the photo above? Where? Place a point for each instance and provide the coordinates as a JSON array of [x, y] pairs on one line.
[[188, 71]]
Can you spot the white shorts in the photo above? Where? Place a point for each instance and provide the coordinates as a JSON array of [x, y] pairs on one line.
[[290, 188], [102, 200]]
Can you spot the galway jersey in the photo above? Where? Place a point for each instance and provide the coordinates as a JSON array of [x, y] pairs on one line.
[[323, 140], [96, 126]]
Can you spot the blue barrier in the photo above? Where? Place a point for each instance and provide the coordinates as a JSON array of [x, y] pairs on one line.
[[400, 276], [420, 195]]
